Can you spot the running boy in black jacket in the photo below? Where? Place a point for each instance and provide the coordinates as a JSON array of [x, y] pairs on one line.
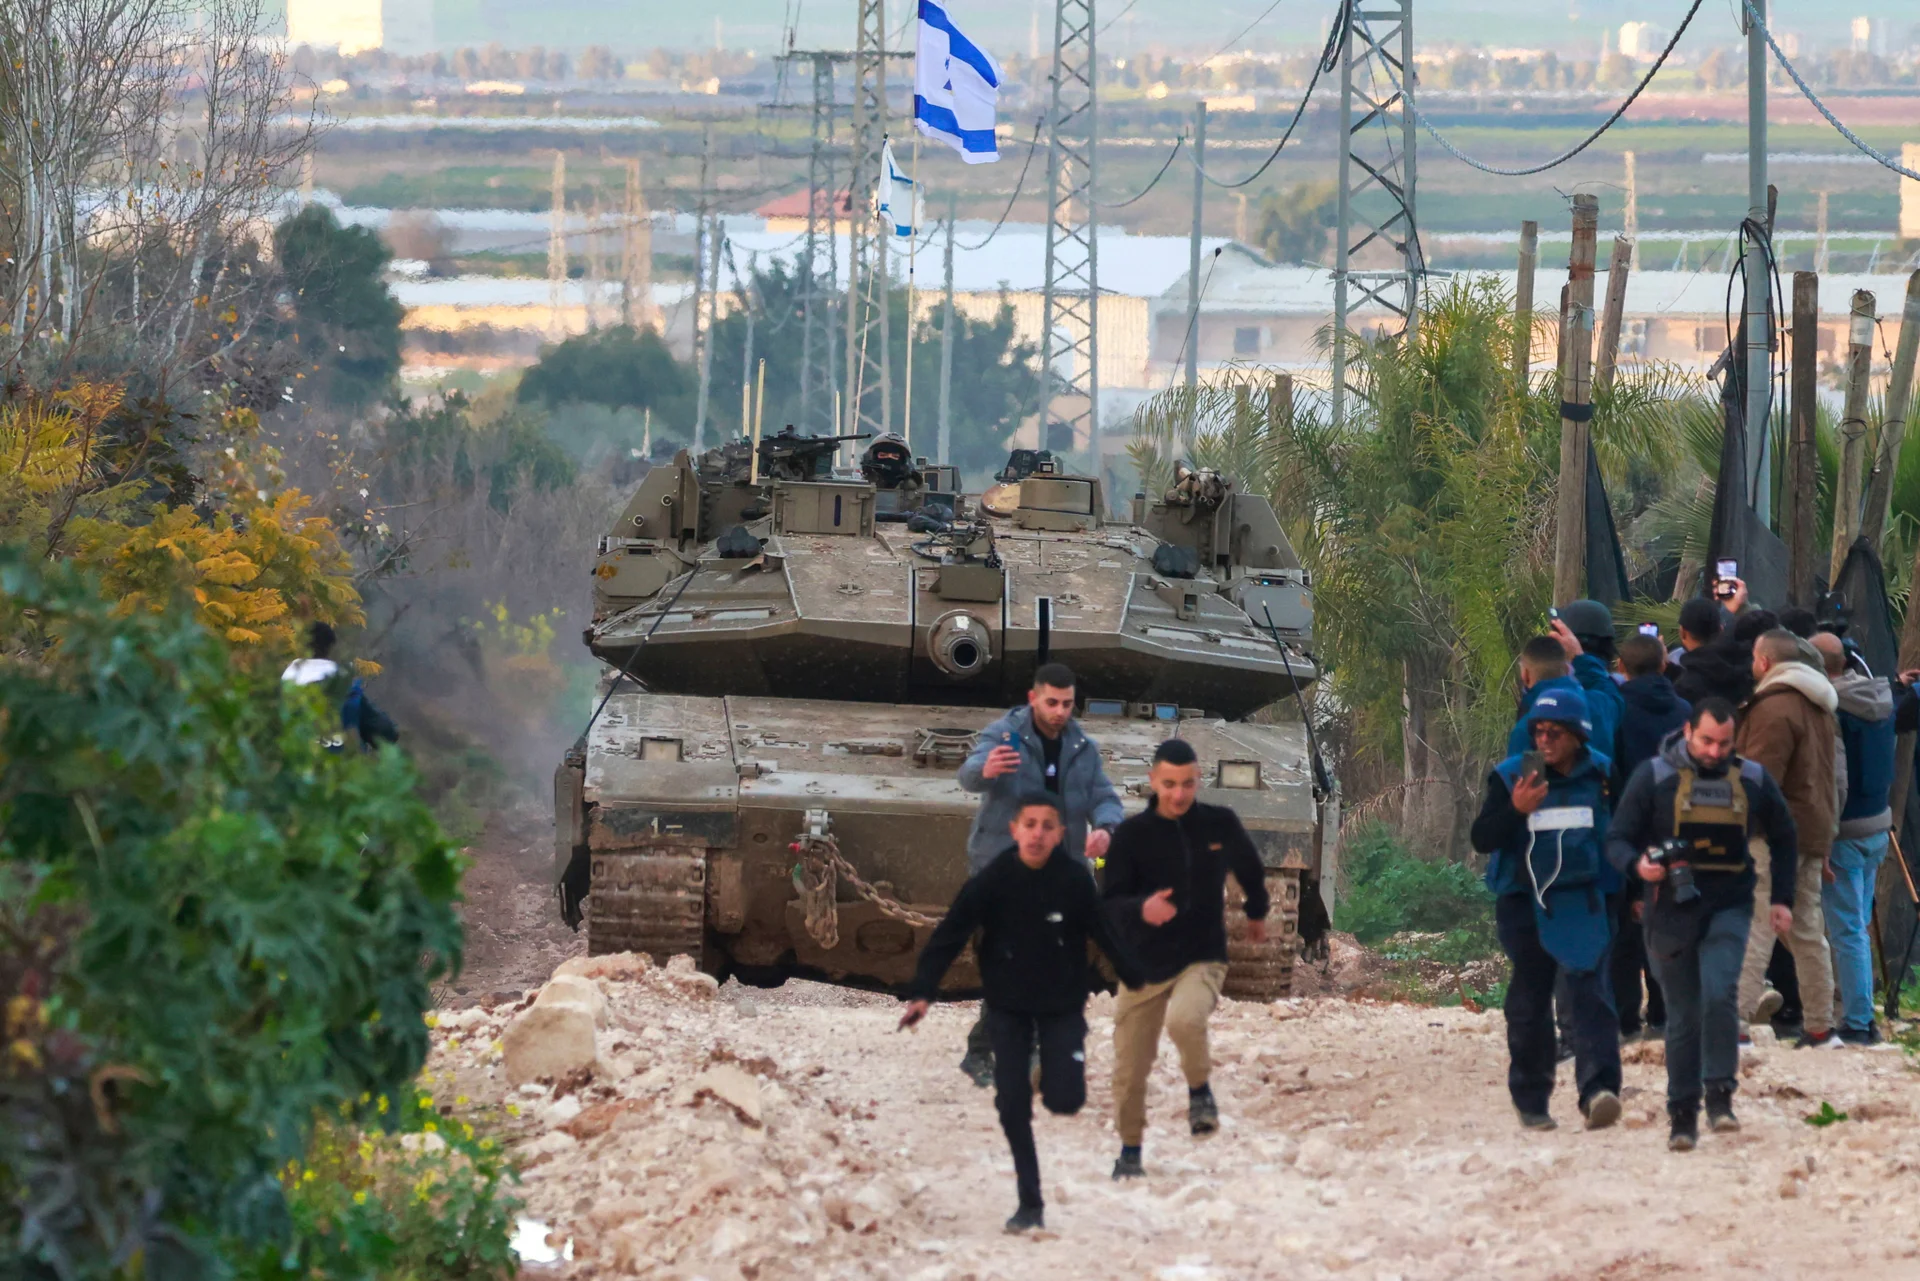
[[1037, 911]]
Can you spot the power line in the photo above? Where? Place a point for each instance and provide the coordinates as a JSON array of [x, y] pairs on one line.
[[1243, 31], [1590, 139], [1329, 56], [1116, 17], [1821, 107], [1178, 143], [1033, 145]]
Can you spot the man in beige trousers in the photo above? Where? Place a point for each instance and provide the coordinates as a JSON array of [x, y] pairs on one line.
[[1788, 726], [1165, 882]]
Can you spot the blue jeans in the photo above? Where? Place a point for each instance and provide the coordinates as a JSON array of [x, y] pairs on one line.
[[1702, 985], [1849, 906]]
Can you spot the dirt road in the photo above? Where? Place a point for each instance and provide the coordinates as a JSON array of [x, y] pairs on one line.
[[730, 1133]]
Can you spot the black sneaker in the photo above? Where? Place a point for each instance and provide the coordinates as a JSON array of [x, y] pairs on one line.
[[1027, 1218], [1536, 1120], [1203, 1115], [1720, 1117], [1128, 1166], [978, 1066], [1827, 1040], [1862, 1039], [1683, 1133]]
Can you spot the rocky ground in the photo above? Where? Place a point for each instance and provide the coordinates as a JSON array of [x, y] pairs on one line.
[[686, 1130]]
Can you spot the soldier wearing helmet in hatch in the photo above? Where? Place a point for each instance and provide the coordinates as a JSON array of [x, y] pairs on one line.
[[888, 464]]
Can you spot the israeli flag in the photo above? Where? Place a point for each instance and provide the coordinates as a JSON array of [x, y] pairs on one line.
[[956, 88], [899, 202]]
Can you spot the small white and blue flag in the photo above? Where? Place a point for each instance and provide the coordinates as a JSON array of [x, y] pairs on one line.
[[898, 198], [956, 87]]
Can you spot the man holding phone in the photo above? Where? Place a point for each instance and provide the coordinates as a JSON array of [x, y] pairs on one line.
[[1544, 822]]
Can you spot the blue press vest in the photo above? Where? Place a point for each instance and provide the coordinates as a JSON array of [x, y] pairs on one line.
[[1569, 871]]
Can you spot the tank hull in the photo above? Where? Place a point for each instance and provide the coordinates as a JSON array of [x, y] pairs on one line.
[[687, 809]]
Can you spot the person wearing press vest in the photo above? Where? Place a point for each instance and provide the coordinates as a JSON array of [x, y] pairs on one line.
[[1543, 821], [1685, 826], [1036, 749]]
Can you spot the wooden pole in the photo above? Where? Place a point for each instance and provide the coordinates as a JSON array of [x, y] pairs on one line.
[[1523, 304], [1280, 403], [1576, 404], [1853, 433], [1618, 268], [1797, 510], [1899, 401]]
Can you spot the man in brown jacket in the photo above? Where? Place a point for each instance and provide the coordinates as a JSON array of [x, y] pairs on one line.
[[1788, 726]]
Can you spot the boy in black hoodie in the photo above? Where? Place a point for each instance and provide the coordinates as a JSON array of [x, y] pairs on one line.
[[1037, 910]]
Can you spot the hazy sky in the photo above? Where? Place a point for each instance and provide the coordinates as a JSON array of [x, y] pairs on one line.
[[1006, 24]]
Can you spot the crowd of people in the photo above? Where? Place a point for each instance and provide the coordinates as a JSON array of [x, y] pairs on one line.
[[1700, 829], [1661, 821]]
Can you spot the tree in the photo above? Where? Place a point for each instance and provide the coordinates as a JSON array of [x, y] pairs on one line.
[[1293, 224], [349, 319], [620, 368], [212, 932]]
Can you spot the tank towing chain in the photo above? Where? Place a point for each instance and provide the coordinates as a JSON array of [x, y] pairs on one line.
[[816, 877]]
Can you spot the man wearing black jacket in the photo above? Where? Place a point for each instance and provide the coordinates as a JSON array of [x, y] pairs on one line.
[[1698, 794], [1178, 850], [1036, 909], [1652, 711]]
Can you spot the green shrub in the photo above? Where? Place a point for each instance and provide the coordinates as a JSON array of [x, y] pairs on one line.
[[211, 932], [1388, 891]]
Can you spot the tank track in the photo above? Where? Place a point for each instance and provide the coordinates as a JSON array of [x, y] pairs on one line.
[[650, 899], [1264, 971]]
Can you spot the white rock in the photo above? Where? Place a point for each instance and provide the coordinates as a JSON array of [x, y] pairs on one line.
[[460, 1020], [552, 1143], [571, 989], [563, 1109], [422, 1143], [731, 1086], [728, 1237], [615, 967], [1318, 1158], [548, 1041]]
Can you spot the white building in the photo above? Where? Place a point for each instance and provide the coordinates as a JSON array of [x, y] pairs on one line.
[[1642, 41], [402, 27]]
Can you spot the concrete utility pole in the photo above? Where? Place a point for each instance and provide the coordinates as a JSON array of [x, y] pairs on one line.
[[1630, 224], [1069, 305], [1899, 403], [1619, 267], [943, 443], [1758, 282], [1797, 514], [1820, 237], [636, 256], [1853, 433], [1576, 405], [1523, 304], [696, 323], [716, 237], [557, 250], [1193, 248]]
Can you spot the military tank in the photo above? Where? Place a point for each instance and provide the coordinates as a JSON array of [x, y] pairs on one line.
[[799, 657]]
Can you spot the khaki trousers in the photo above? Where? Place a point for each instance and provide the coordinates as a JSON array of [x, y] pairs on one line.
[[1182, 1005], [1812, 962]]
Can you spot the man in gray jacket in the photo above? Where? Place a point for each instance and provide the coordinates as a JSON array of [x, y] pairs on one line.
[[1036, 748]]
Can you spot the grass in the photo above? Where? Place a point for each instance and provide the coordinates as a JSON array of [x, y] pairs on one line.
[[1431, 922]]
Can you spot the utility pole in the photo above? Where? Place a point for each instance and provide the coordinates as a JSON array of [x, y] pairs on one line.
[[1853, 433], [1797, 514], [557, 251], [1820, 237], [1377, 141], [1630, 225], [1069, 306], [636, 256], [1759, 308], [1899, 404], [868, 373], [696, 324], [1576, 408], [716, 236], [943, 444], [1193, 248], [1619, 267], [818, 269], [1523, 305]]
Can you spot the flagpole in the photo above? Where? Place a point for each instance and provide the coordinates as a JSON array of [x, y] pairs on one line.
[[913, 246]]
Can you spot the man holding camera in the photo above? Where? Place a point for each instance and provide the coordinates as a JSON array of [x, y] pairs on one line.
[[1683, 826]]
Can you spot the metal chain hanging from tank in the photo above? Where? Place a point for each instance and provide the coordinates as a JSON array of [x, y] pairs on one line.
[[816, 877]]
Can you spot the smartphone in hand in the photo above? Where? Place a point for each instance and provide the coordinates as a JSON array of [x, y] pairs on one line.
[[1533, 765]]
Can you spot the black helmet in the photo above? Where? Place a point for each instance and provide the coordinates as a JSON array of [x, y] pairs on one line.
[[888, 462]]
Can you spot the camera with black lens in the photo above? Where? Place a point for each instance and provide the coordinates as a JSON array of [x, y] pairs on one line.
[[1672, 855]]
